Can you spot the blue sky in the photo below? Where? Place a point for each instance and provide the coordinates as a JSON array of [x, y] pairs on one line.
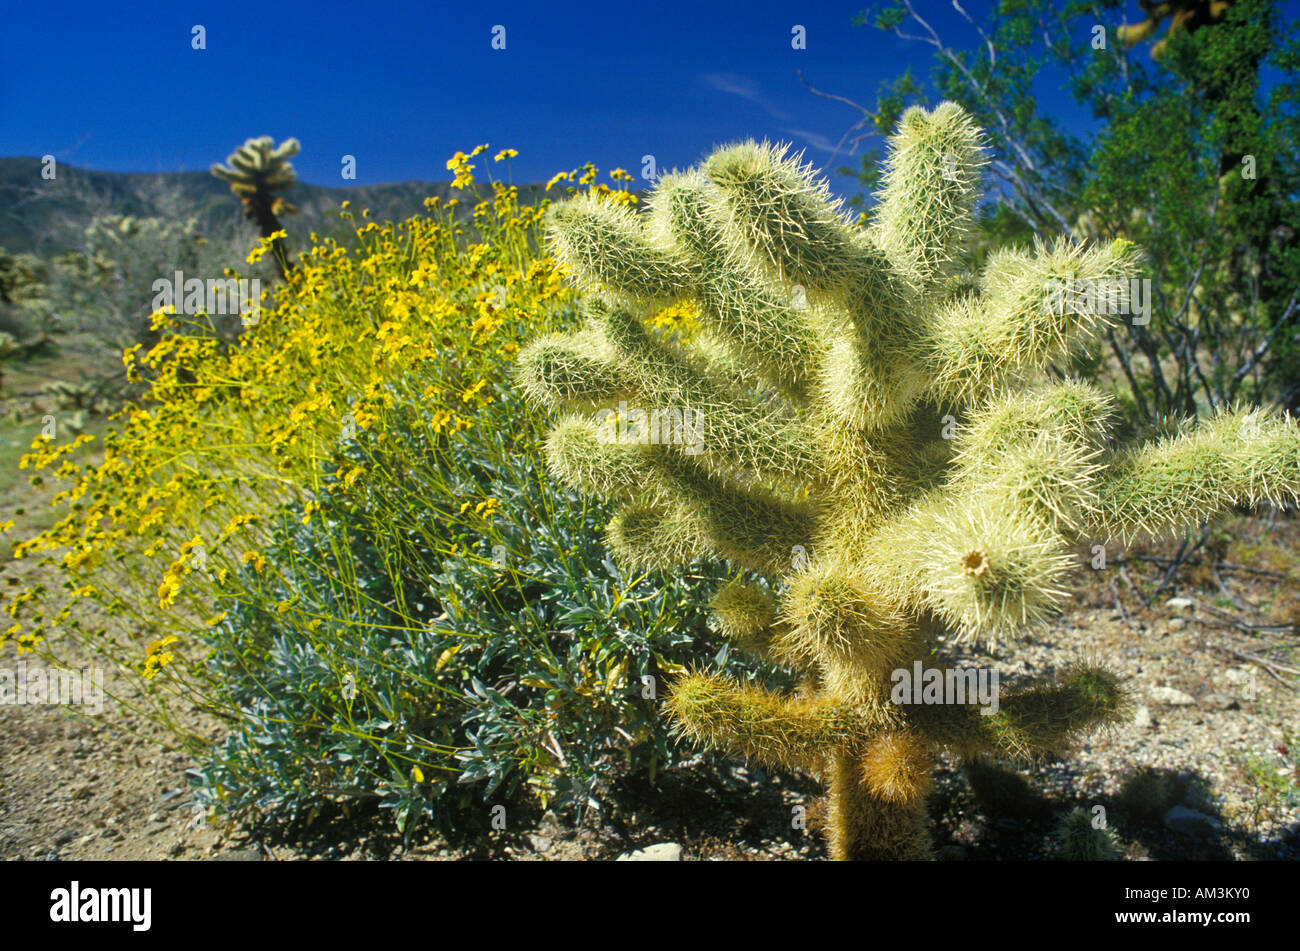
[[402, 85]]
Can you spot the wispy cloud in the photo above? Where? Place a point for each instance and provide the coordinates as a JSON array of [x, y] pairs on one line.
[[815, 139], [745, 88]]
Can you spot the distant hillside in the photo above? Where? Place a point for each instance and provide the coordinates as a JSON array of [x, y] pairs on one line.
[[30, 208]]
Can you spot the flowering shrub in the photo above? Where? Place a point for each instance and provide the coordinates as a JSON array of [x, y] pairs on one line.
[[527, 657], [331, 530], [225, 433]]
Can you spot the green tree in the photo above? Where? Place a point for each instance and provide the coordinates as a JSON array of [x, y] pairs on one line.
[[1196, 160]]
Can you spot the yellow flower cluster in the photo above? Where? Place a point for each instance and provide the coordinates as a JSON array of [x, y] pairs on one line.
[[174, 506], [459, 165], [157, 656]]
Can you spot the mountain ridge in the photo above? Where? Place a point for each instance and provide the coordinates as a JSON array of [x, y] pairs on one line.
[[32, 208]]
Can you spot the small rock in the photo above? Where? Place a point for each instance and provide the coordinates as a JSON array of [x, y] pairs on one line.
[[1220, 701], [540, 843], [1182, 819], [662, 852], [1142, 717], [239, 855], [1180, 604], [1177, 623], [1171, 696]]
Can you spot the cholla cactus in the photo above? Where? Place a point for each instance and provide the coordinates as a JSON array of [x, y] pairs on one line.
[[9, 349], [1189, 15], [860, 403], [1082, 840], [257, 170]]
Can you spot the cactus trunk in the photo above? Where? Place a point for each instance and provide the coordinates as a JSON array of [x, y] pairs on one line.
[[864, 827]]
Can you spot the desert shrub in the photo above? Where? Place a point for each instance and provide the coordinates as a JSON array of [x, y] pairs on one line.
[[275, 506], [512, 653], [226, 433]]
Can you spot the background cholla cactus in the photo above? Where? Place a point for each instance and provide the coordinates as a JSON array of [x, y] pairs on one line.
[[832, 362], [9, 348], [1080, 840], [257, 170], [1189, 15]]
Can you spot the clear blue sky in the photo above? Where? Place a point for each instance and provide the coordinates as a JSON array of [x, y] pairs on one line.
[[402, 85]]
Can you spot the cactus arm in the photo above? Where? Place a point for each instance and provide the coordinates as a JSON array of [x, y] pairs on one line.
[[1237, 457], [774, 729], [604, 247], [559, 371], [760, 318], [658, 534], [929, 189], [779, 218], [746, 614], [1033, 721], [1025, 315], [749, 526]]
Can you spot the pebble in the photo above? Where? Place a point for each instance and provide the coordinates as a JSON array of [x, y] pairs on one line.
[[1182, 819], [662, 852], [1180, 604], [1142, 717], [1220, 701], [1172, 696], [239, 855]]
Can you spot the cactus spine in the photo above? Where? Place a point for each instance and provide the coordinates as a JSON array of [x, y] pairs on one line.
[[256, 171], [833, 363]]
